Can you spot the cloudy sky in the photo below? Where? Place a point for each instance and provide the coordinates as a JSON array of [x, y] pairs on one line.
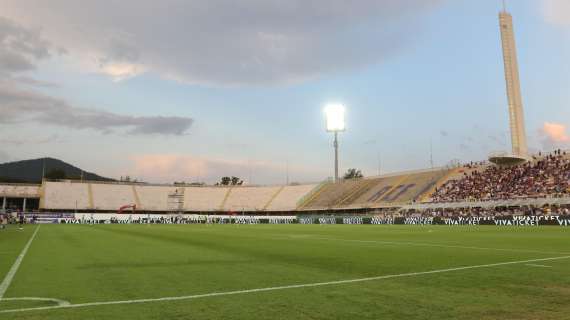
[[193, 90]]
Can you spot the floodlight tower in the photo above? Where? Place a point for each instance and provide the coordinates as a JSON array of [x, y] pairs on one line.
[[335, 123], [516, 114]]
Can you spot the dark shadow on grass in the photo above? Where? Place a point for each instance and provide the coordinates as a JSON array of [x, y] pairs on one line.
[[227, 245], [169, 264]]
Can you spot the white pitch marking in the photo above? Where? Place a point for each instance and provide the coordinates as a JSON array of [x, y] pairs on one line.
[[294, 286], [441, 245], [10, 275], [58, 301], [538, 265]]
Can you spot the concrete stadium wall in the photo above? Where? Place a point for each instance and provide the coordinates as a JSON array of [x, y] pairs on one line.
[[112, 196], [204, 198], [19, 191], [288, 198], [154, 198], [249, 198], [65, 196]]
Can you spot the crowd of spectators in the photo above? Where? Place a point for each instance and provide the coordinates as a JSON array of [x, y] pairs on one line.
[[544, 176], [488, 212]]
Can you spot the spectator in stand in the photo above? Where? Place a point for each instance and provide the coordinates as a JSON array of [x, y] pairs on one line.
[[547, 176]]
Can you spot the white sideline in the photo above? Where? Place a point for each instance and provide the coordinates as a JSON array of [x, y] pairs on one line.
[[10, 275], [538, 265], [294, 286], [440, 245], [58, 301]]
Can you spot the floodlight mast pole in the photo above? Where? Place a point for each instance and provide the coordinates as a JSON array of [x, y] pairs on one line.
[[335, 156], [335, 124]]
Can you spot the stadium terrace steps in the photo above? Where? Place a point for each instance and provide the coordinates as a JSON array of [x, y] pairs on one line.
[[90, 197], [330, 193], [273, 197], [390, 189], [67, 196], [313, 194], [288, 198], [418, 185], [111, 196], [154, 198], [20, 191], [449, 175], [204, 198], [42, 195], [357, 191], [83, 196], [367, 192], [376, 191], [136, 196], [226, 196], [249, 198]]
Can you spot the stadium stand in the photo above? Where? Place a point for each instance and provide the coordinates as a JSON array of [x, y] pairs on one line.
[[112, 196], [154, 198], [65, 196], [204, 198], [75, 195], [19, 191], [331, 192], [369, 192], [544, 176], [562, 210], [249, 198], [289, 197], [543, 181]]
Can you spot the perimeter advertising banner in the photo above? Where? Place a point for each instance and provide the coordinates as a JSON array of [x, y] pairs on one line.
[[454, 221], [86, 218]]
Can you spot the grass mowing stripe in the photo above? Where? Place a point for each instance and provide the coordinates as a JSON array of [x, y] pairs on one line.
[[294, 286], [440, 245], [12, 272]]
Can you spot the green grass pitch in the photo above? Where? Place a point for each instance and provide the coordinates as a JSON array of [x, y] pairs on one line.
[[405, 272]]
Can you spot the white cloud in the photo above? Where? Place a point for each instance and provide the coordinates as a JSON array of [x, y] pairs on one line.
[[21, 48], [122, 71], [226, 42], [554, 135], [19, 140], [19, 105], [180, 167]]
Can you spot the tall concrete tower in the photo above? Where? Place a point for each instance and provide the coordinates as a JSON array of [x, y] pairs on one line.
[[516, 114]]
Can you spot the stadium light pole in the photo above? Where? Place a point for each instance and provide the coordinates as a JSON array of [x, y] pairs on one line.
[[335, 123]]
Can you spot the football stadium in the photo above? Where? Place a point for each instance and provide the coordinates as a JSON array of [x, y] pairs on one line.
[[475, 239]]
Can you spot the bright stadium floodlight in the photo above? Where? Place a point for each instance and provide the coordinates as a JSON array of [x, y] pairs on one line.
[[334, 114], [335, 117]]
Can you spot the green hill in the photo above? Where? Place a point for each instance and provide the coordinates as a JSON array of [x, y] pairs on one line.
[[30, 171]]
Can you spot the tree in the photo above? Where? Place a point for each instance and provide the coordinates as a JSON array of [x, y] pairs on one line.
[[236, 181], [56, 174], [353, 173], [227, 181]]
